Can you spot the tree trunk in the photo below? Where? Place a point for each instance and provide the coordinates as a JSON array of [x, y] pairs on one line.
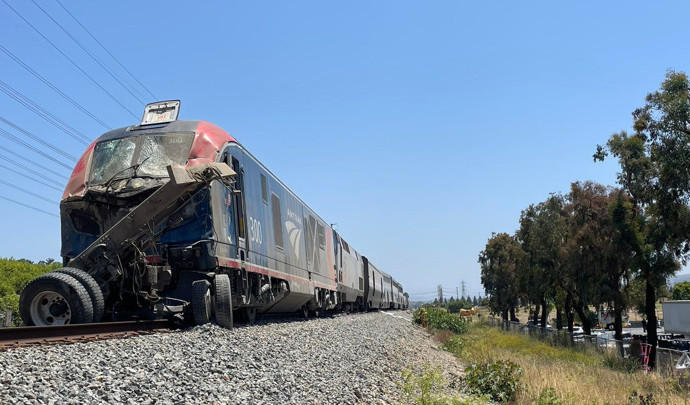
[[535, 315], [512, 315], [504, 314], [568, 311], [544, 312], [586, 324], [559, 318], [618, 322], [650, 309]]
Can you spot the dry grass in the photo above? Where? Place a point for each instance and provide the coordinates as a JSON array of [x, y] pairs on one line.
[[581, 378]]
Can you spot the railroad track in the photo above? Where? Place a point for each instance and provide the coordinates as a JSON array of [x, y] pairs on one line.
[[86, 332]]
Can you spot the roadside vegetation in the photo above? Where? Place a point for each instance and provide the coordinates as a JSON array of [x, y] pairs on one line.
[[566, 376], [14, 276], [599, 246], [506, 367]]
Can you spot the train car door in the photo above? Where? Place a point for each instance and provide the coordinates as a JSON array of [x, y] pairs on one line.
[[337, 258], [365, 265], [238, 201]]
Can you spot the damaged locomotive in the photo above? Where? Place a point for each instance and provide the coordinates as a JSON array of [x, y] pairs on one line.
[[175, 219]]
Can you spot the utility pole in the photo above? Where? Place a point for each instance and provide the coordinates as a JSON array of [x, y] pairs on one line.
[[457, 297], [440, 294], [462, 283]]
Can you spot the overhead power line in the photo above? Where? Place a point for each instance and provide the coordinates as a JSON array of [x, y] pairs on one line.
[[70, 60], [88, 52], [27, 191], [32, 148], [47, 144], [106, 49], [43, 113], [29, 206], [53, 87], [44, 168], [28, 169], [26, 176]]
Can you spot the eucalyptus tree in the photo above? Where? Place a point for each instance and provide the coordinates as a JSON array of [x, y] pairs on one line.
[[529, 283], [500, 261], [655, 173], [600, 255], [543, 234], [583, 274]]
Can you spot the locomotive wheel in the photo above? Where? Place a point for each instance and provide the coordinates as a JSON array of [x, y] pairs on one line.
[[222, 300], [201, 302], [55, 299], [304, 312], [249, 314], [92, 288]]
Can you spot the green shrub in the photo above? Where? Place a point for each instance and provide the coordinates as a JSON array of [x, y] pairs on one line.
[[418, 315], [420, 388], [437, 318], [498, 380], [624, 365], [548, 396], [640, 399], [454, 344], [14, 276], [423, 388]]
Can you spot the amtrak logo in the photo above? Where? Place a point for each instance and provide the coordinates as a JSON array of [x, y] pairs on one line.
[[294, 235]]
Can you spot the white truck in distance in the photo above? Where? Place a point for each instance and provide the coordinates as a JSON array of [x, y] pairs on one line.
[[676, 317]]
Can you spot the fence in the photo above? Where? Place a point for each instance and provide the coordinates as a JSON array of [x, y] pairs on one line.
[[666, 359]]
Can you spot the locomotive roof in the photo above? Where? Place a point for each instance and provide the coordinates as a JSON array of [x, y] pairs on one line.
[[208, 140]]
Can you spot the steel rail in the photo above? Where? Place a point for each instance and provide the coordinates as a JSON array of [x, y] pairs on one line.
[[85, 332]]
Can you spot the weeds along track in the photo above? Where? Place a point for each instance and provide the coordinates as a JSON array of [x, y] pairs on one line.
[[40, 335]]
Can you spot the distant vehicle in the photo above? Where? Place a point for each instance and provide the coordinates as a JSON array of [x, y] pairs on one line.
[[607, 319], [531, 323], [577, 330], [676, 317]]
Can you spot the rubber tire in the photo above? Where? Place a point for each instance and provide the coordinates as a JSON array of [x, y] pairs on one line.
[[72, 290], [249, 315], [222, 300], [201, 302], [92, 288]]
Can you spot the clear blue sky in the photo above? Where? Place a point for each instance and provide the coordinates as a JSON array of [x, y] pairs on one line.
[[418, 127]]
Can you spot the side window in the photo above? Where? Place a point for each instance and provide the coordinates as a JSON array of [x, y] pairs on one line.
[[336, 249], [264, 190], [322, 236], [229, 216], [277, 221], [345, 245]]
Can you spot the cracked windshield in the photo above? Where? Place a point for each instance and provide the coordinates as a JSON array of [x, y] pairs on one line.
[[114, 158]]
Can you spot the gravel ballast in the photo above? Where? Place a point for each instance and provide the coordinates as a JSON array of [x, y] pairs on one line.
[[345, 359]]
